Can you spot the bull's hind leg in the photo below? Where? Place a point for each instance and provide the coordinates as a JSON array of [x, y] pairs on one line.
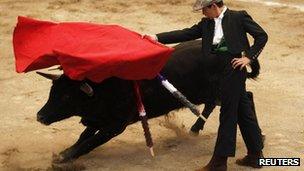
[[90, 143], [87, 133], [199, 124]]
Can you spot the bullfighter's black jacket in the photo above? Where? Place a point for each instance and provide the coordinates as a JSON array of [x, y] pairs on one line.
[[235, 25]]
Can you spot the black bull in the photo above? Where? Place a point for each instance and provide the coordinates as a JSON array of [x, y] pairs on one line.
[[109, 107]]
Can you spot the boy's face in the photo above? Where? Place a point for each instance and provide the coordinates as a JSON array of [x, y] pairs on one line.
[[210, 11]]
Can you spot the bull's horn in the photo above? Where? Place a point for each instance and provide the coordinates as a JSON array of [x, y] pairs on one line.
[[48, 76], [57, 68], [85, 87]]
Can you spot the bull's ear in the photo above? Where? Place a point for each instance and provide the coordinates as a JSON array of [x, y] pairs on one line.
[[85, 87], [49, 76]]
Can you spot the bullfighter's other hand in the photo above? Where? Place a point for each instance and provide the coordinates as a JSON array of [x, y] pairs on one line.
[[242, 62], [151, 36]]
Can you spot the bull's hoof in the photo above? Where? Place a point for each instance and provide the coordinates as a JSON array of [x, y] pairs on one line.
[[66, 152], [194, 134], [196, 127], [62, 158]]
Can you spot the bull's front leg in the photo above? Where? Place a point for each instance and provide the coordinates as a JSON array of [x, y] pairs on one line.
[[87, 133], [87, 145]]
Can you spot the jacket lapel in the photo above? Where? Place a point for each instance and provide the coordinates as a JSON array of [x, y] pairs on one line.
[[225, 22], [210, 33]]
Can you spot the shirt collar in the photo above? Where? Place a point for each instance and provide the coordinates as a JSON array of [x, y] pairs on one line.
[[222, 13]]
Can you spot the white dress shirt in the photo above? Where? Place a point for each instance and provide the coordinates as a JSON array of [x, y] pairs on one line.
[[218, 30]]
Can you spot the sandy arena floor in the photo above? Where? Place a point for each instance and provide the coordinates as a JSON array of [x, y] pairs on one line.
[[279, 93]]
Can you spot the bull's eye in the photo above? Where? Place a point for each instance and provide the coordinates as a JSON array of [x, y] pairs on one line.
[[65, 97]]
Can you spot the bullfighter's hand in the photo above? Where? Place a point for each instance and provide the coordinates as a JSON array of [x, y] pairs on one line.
[[242, 62], [151, 36]]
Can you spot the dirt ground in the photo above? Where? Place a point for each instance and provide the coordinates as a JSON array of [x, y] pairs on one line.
[[279, 94]]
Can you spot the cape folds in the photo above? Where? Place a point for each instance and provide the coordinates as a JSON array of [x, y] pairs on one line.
[[86, 50]]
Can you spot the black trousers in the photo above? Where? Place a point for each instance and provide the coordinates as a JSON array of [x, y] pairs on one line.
[[235, 108]]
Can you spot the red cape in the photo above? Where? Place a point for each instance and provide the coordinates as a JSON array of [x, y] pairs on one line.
[[86, 50]]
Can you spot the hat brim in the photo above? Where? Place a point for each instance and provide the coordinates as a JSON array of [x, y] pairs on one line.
[[198, 5]]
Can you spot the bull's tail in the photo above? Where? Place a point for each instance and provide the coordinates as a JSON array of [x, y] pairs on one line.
[[255, 69]]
